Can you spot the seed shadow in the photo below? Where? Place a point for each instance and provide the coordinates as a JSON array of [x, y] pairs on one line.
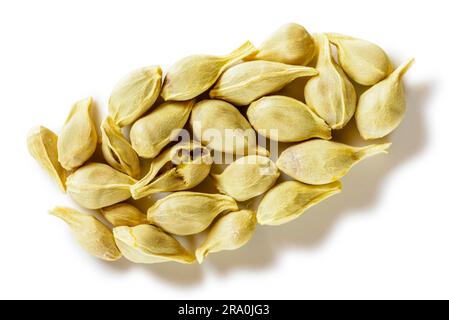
[[174, 273], [119, 266], [361, 188], [177, 274], [295, 89]]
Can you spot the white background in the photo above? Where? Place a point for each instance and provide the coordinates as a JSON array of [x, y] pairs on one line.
[[385, 236]]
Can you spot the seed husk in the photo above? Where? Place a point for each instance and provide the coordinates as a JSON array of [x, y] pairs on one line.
[[182, 167], [290, 44], [117, 150], [91, 234]]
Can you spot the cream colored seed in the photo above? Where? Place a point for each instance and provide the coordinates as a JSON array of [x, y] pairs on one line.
[[330, 94], [290, 120], [249, 81], [193, 75], [230, 232], [90, 233], [148, 244], [321, 162], [248, 177], [363, 61], [150, 134], [124, 214], [221, 127], [382, 107], [186, 213], [97, 185], [42, 145], [289, 200], [290, 44], [78, 139], [134, 95], [117, 150]]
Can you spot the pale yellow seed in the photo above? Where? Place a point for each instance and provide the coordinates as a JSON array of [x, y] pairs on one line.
[[43, 147], [134, 95], [289, 200], [382, 107], [249, 81], [91, 234], [230, 232], [321, 162], [150, 134], [78, 139], [124, 214], [248, 177], [290, 44], [286, 119], [221, 127], [98, 185], [148, 244], [364, 62], [330, 94], [193, 75], [186, 213]]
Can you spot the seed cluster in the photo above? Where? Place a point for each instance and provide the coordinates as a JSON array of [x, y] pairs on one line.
[[209, 95]]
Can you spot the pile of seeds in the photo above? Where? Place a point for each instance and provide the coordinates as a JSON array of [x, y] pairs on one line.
[[225, 102]]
